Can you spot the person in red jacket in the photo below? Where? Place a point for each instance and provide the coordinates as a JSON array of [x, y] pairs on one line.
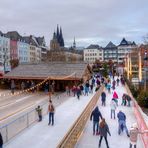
[[115, 97]]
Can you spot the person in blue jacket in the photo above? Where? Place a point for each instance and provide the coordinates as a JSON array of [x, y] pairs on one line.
[[122, 123], [96, 115]]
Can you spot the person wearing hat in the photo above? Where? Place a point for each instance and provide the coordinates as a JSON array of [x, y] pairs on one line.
[[134, 131]]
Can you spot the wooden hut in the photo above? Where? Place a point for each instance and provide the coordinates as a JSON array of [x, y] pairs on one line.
[[62, 74]]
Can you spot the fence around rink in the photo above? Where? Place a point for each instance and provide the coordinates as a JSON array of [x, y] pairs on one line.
[[140, 120], [17, 125], [72, 136]]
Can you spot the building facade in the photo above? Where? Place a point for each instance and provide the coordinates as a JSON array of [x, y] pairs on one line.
[[111, 52], [4, 54], [93, 53], [23, 52], [124, 48]]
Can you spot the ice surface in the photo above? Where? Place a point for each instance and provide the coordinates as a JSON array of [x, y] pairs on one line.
[[87, 140]]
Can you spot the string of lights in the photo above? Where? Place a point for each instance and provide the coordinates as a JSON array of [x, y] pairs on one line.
[[36, 86]]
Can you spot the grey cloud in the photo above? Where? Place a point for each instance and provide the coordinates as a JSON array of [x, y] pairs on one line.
[[88, 20]]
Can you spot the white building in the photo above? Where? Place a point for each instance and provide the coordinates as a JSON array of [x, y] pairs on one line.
[[4, 54], [93, 53], [124, 48], [23, 52]]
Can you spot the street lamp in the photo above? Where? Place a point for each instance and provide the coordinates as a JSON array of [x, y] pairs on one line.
[[145, 68]]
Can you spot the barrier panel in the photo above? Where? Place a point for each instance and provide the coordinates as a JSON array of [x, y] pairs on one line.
[[72, 136], [140, 120], [14, 127]]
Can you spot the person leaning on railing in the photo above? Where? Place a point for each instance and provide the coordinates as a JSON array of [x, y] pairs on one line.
[[1, 141], [39, 111]]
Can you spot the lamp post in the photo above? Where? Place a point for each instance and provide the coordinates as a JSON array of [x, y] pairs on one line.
[[145, 68]]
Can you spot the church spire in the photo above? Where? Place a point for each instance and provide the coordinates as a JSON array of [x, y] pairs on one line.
[[58, 34], [54, 36], [74, 43], [61, 38]]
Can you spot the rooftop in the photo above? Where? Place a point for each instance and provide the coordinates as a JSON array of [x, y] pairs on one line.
[[41, 71]]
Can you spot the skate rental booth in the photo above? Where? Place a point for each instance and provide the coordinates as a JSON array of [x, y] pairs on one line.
[[58, 74]]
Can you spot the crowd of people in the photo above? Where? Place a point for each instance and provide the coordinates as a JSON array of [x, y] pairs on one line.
[[100, 127]]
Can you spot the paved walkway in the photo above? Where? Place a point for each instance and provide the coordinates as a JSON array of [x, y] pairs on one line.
[[87, 140]]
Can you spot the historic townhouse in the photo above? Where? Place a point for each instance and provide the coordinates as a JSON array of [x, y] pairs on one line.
[[23, 51], [4, 54], [110, 52], [124, 48], [93, 53]]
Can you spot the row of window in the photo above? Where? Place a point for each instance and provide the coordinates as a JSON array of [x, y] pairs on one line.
[[92, 59], [24, 58], [93, 54], [23, 52]]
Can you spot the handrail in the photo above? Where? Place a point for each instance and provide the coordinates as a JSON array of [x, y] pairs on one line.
[[72, 136], [30, 117], [140, 120]]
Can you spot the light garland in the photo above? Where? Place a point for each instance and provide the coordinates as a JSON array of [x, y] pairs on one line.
[[39, 84]]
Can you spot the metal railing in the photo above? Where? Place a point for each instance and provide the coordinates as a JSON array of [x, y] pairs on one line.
[[24, 120], [140, 120], [75, 131]]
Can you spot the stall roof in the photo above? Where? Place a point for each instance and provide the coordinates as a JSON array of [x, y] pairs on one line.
[[52, 70]]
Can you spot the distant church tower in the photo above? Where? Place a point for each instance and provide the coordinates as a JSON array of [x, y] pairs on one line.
[[74, 43], [58, 41], [54, 45]]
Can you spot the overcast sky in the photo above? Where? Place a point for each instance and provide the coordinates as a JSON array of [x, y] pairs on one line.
[[90, 21]]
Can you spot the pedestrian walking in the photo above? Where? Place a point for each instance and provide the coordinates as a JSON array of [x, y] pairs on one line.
[[123, 100], [91, 88], [117, 81], [96, 115], [74, 90], [67, 90], [51, 111], [108, 87], [113, 107], [134, 131], [1, 141], [115, 97], [12, 86], [103, 98], [113, 84], [46, 87], [98, 81], [93, 82], [78, 92], [22, 86], [82, 89], [104, 129], [122, 123], [39, 111], [128, 98]]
